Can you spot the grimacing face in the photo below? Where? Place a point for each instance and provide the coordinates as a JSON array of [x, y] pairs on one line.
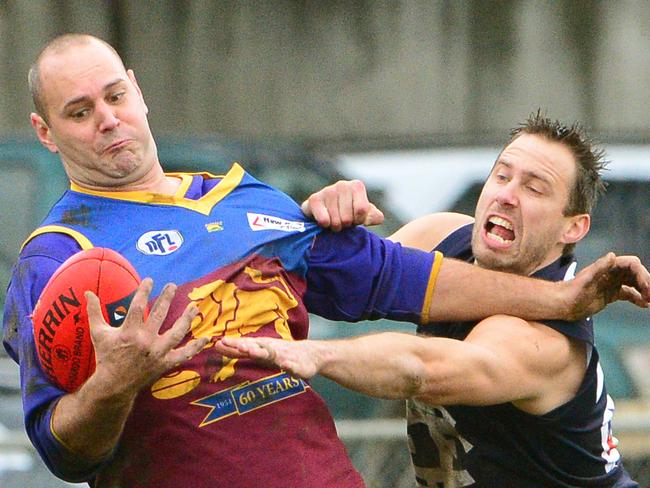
[[97, 118], [520, 225]]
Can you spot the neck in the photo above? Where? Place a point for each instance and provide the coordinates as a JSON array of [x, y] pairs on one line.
[[550, 259], [155, 181], [163, 185]]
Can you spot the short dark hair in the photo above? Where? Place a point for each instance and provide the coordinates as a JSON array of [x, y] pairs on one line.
[[56, 45], [590, 160]]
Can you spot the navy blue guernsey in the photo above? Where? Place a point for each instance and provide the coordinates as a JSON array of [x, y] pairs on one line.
[[503, 446]]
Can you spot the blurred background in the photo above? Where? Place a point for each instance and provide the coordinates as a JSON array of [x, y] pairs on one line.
[[414, 97]]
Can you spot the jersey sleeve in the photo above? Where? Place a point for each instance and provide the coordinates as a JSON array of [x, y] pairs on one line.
[[356, 275], [38, 261]]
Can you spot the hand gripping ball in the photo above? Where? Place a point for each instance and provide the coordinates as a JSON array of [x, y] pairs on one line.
[[61, 331]]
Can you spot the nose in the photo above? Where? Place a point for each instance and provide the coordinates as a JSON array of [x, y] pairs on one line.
[[507, 194], [106, 115]]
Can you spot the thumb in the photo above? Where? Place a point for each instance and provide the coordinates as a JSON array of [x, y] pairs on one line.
[[306, 209], [601, 266], [607, 261], [374, 217]]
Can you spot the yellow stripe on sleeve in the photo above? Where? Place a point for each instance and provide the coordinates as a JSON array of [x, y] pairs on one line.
[[431, 286], [55, 435], [81, 239]]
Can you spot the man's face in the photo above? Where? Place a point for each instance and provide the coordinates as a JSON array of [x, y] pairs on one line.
[[97, 118], [520, 226]]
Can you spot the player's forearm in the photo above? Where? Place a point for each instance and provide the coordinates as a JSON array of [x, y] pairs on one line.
[[90, 421], [386, 365], [466, 292]]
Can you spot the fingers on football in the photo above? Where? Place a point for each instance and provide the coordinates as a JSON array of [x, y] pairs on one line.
[[158, 312], [95, 318], [135, 314]]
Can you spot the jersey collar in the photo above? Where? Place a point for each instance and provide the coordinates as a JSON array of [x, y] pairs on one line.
[[203, 205]]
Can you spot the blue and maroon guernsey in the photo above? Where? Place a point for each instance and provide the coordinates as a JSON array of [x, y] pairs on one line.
[[243, 253], [501, 445]]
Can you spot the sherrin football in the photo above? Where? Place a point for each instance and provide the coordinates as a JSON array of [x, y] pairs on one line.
[[61, 330]]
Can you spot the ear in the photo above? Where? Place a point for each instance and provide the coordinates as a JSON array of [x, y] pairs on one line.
[[576, 228], [131, 76], [43, 132]]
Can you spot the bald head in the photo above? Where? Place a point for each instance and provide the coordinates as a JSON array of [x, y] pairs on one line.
[[57, 46]]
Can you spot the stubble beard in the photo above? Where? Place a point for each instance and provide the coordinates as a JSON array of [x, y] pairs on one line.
[[514, 262]]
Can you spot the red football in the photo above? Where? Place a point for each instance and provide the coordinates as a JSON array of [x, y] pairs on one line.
[[61, 330]]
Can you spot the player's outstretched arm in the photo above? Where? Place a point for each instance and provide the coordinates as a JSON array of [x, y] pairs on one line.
[[381, 365], [341, 205], [466, 292], [90, 420], [503, 359]]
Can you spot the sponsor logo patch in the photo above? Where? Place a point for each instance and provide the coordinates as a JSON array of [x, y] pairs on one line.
[[159, 242], [268, 222], [214, 226]]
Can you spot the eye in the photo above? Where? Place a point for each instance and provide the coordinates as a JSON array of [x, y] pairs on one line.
[[116, 97], [534, 190], [79, 114], [500, 177]]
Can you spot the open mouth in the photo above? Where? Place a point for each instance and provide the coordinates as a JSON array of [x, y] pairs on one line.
[[500, 230]]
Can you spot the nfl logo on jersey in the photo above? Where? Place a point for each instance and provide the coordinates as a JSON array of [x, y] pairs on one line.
[[159, 242]]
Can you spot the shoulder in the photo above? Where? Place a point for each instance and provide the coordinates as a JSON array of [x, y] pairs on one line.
[[549, 365], [58, 246], [509, 329], [427, 232], [38, 260], [532, 344]]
